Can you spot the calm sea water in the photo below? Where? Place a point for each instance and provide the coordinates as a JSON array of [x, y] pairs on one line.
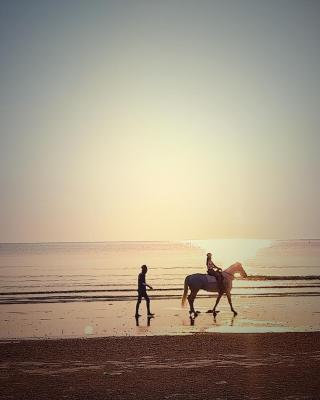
[[86, 272]]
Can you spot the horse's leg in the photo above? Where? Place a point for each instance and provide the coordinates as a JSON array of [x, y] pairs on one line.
[[191, 298], [230, 302], [217, 302]]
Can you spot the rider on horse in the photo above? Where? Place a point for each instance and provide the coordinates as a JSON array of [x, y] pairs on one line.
[[215, 271]]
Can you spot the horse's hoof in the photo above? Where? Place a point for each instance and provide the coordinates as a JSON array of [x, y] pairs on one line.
[[209, 312], [235, 313], [215, 313], [198, 312]]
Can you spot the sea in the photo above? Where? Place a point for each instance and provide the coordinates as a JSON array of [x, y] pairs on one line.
[[43, 275]]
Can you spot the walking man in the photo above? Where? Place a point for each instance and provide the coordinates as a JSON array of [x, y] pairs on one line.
[[142, 291]]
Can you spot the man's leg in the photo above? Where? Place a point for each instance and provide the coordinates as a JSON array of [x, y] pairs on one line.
[[148, 304], [138, 304], [220, 283], [218, 277]]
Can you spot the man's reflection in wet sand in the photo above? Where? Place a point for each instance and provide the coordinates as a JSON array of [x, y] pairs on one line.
[[148, 321]]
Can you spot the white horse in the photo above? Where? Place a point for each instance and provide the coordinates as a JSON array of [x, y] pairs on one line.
[[206, 282]]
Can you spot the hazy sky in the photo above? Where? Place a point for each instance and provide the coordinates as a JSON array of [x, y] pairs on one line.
[[151, 120]]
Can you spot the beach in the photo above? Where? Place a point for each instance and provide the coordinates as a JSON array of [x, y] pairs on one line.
[[200, 366], [68, 328], [75, 290], [159, 207], [256, 314], [79, 290]]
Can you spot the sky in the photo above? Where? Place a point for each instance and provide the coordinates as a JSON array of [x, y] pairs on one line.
[[159, 120]]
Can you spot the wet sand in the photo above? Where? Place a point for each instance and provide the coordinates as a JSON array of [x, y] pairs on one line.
[[200, 366], [257, 314]]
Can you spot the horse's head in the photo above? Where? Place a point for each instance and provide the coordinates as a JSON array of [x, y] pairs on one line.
[[242, 272], [237, 268]]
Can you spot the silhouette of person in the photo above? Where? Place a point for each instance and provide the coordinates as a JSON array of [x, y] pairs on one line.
[[142, 291], [215, 271]]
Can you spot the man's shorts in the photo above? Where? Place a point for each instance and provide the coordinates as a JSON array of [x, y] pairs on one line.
[[141, 294]]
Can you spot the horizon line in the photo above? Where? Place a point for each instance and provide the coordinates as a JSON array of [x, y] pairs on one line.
[[155, 241]]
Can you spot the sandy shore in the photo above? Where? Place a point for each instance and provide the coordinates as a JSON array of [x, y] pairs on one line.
[[257, 314], [201, 366]]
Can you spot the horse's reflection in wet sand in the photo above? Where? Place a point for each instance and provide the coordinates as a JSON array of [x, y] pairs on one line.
[[194, 316]]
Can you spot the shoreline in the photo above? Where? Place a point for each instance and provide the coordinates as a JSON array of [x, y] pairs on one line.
[[146, 335], [203, 366]]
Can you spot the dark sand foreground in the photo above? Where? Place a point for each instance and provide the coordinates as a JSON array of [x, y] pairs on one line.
[[203, 366]]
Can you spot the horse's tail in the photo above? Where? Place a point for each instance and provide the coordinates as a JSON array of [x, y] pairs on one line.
[[185, 292]]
